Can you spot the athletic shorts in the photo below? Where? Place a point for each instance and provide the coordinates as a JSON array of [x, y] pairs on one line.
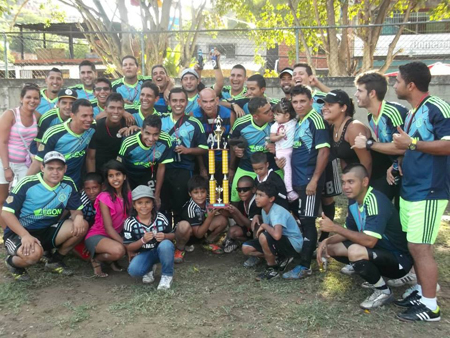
[[333, 186], [391, 265], [308, 206], [281, 248], [46, 236], [421, 220]]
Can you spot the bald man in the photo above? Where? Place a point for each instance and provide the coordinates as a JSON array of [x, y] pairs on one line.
[[372, 239], [207, 112]]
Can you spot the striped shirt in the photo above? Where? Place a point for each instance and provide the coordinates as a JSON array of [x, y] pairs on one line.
[[16, 146]]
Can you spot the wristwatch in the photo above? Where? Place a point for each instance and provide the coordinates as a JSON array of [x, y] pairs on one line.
[[413, 144], [369, 143]]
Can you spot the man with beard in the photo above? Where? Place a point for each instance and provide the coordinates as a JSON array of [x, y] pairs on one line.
[[88, 74], [286, 82], [49, 96]]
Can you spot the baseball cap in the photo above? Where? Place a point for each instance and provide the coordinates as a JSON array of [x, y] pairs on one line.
[[142, 191], [54, 155], [335, 96], [286, 70], [67, 92], [189, 71]]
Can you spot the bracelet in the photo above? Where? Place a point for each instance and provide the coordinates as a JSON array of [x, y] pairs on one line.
[[142, 240], [4, 169]]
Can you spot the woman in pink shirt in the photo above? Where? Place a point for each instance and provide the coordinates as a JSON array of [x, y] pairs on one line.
[[18, 128], [104, 241]]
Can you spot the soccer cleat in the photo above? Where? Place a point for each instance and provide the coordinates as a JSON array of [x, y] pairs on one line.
[[268, 274], [19, 274], [283, 263], [409, 290], [165, 283], [58, 267], [410, 301], [348, 270], [215, 249], [149, 277], [409, 278], [251, 262], [298, 272], [376, 299], [230, 245], [179, 256], [420, 312]]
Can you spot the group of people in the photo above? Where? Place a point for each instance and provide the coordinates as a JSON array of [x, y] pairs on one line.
[[108, 169]]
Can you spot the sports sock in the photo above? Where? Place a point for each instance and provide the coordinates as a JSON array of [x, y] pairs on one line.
[[382, 286], [430, 303], [419, 289]]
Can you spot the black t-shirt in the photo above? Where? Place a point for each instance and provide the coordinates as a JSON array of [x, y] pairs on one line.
[[106, 143], [251, 210], [275, 180], [193, 213]]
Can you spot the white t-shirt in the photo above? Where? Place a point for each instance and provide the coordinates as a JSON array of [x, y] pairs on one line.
[[289, 130]]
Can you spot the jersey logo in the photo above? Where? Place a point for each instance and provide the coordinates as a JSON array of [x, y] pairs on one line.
[[41, 147], [47, 212], [62, 197], [76, 154], [10, 199], [119, 159], [255, 148]]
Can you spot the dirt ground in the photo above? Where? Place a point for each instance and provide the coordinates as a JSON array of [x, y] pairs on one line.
[[212, 296]]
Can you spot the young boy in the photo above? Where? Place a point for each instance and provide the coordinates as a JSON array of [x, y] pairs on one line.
[[278, 238], [260, 166], [242, 214], [197, 220], [92, 186]]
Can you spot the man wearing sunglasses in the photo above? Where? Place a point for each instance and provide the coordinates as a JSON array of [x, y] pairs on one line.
[[102, 89]]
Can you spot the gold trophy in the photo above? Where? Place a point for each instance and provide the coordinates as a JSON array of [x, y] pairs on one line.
[[215, 190]]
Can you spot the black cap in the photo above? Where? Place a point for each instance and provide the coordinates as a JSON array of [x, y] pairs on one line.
[[336, 96], [67, 92]]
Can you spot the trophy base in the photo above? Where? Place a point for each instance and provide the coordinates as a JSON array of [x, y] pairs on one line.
[[219, 206]]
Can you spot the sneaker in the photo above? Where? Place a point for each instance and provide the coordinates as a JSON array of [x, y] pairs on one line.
[[215, 249], [376, 299], [251, 262], [292, 196], [189, 248], [409, 290], [420, 312], [179, 256], [410, 301], [409, 278], [165, 282], [283, 263], [149, 277], [230, 245], [268, 274], [367, 285], [348, 270], [58, 267], [19, 274], [46, 257], [298, 272]]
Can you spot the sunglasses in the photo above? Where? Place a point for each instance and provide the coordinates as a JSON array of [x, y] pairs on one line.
[[244, 189], [99, 89]]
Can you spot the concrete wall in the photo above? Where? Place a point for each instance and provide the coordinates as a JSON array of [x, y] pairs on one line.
[[440, 86]]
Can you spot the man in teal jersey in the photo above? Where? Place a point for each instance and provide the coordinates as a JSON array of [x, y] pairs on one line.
[[70, 138], [88, 74], [32, 213], [146, 105], [102, 89], [235, 90], [49, 96], [129, 86]]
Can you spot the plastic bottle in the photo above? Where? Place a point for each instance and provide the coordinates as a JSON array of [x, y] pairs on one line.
[[396, 172]]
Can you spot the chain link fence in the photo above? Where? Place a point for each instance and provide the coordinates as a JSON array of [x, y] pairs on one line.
[[29, 54]]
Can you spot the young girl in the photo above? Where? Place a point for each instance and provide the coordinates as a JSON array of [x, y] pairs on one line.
[[112, 207], [148, 239], [282, 133]]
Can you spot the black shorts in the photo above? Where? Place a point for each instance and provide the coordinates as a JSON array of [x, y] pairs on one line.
[[333, 186], [46, 236], [308, 206], [281, 248], [391, 265], [174, 192]]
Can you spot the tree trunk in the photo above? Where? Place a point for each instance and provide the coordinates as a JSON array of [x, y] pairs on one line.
[[332, 41]]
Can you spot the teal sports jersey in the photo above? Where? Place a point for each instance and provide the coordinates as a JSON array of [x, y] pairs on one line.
[[46, 104], [226, 93], [377, 217], [256, 139], [135, 110], [71, 145], [161, 105], [96, 108], [311, 134], [187, 131], [130, 93], [37, 205], [243, 103], [426, 176], [49, 119], [318, 95], [192, 104], [83, 93], [139, 159]]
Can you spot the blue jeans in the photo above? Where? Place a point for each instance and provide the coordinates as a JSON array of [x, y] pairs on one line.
[[144, 261]]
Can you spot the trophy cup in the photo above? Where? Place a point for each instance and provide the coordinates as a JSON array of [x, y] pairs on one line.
[[216, 191]]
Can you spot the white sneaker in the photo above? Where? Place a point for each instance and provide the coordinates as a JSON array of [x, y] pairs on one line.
[[149, 277], [189, 248], [348, 270], [409, 278], [165, 282], [377, 299], [251, 262], [415, 287]]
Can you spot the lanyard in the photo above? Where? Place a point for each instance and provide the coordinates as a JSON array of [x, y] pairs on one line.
[[153, 167], [360, 218], [135, 90], [408, 127], [376, 125]]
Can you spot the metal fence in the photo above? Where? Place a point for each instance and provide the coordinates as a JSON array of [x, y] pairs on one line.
[[29, 54]]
